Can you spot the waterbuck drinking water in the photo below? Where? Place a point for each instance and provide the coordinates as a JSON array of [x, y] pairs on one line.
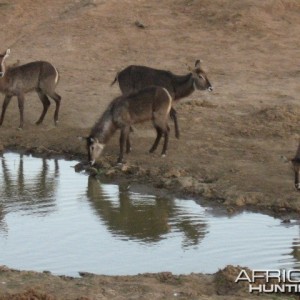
[[134, 78], [296, 166], [151, 103], [40, 76]]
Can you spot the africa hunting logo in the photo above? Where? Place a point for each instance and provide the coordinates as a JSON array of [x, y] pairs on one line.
[[271, 281]]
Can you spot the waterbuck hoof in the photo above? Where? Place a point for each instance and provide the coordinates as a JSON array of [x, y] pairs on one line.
[[122, 165], [55, 123], [177, 135], [120, 162], [20, 128], [38, 122], [164, 155]]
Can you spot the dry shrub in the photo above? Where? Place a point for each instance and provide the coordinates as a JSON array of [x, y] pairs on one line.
[[282, 113], [30, 294], [277, 7]]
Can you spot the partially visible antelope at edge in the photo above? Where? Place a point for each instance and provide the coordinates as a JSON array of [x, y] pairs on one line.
[[134, 78], [40, 76], [151, 103], [296, 166]]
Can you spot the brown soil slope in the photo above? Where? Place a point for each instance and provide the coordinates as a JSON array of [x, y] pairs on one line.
[[234, 142]]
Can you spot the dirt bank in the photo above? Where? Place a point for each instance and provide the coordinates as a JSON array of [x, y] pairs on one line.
[[16, 285], [235, 142]]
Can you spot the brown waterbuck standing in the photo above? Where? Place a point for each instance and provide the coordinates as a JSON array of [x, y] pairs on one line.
[[134, 78], [151, 103], [296, 166], [40, 76]]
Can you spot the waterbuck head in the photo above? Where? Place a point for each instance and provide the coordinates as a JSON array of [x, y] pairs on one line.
[[201, 81], [296, 167], [3, 57], [94, 148]]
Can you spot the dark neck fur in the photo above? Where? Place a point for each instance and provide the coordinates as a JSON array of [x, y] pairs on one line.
[[104, 128], [184, 85]]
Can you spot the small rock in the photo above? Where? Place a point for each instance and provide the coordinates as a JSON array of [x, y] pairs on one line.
[[139, 24], [110, 172], [186, 181], [79, 167], [92, 171], [240, 201], [173, 173], [85, 274], [124, 168]]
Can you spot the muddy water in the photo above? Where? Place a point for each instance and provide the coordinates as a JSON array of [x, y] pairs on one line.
[[52, 218]]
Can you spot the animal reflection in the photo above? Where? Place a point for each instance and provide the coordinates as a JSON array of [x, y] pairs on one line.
[[296, 165], [3, 226], [29, 193], [148, 221], [296, 248]]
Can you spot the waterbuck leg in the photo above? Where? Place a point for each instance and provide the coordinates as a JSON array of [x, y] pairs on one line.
[[156, 142], [297, 186], [123, 139], [21, 109], [128, 144], [4, 107], [166, 140], [57, 100], [46, 103], [173, 115]]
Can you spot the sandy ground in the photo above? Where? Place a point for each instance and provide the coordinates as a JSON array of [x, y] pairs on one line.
[[235, 142]]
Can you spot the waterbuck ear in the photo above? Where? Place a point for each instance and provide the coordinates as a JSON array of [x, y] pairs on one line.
[[5, 54], [82, 138], [198, 63]]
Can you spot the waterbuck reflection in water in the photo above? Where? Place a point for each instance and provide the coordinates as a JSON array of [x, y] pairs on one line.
[[74, 222], [296, 167], [28, 188], [145, 218], [2, 223]]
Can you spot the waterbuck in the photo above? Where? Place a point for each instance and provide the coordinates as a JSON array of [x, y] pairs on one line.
[[134, 78], [296, 166], [40, 76], [151, 103]]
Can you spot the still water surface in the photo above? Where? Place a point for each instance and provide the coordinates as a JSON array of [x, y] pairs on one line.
[[52, 218]]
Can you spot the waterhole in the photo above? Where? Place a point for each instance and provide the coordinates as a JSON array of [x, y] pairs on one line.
[[54, 219]]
